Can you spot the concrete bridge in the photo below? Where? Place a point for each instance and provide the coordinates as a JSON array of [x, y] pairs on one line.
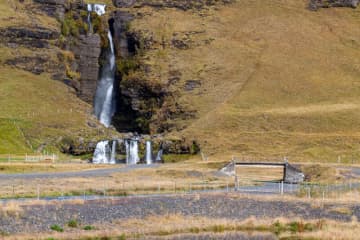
[[291, 174]]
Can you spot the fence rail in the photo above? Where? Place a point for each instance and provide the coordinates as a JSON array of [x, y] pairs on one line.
[[28, 158], [306, 190]]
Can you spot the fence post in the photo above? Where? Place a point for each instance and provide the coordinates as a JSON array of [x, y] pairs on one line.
[[38, 192], [227, 186], [309, 196], [190, 188], [175, 187], [282, 187]]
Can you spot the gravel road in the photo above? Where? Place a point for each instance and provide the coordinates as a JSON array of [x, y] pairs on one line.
[[85, 173], [38, 218]]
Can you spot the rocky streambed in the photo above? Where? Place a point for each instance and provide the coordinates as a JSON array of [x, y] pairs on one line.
[[39, 218]]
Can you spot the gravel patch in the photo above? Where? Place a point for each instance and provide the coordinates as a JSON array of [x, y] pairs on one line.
[[39, 218]]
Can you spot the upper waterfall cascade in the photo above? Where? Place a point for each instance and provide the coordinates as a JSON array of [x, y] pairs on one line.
[[104, 103], [100, 9]]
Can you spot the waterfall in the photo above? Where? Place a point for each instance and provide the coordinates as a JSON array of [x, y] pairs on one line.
[[148, 153], [102, 153], [100, 9], [104, 97], [159, 155], [113, 153], [89, 22], [132, 151], [127, 149]]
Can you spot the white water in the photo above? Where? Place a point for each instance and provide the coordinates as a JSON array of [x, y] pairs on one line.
[[148, 153], [132, 151], [100, 9], [104, 97], [159, 155], [102, 153], [89, 22], [113, 153]]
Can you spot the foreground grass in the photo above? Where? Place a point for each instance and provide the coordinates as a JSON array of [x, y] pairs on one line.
[[178, 225]]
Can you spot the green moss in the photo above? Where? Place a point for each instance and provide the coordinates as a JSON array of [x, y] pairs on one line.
[[69, 26], [124, 66]]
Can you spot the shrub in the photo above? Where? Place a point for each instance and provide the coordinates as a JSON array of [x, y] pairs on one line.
[[56, 228], [72, 223], [88, 228]]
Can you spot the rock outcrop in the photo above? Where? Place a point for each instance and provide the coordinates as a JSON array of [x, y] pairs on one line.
[[316, 4], [180, 4], [87, 52], [53, 8]]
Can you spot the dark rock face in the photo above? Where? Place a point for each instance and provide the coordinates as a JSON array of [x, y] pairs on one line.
[[180, 4], [53, 8], [316, 4], [122, 40], [30, 38], [124, 3], [36, 64], [38, 33], [87, 52]]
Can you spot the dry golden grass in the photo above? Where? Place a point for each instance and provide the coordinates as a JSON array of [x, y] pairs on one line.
[[48, 167], [169, 225], [10, 209], [265, 173], [15, 13], [277, 79]]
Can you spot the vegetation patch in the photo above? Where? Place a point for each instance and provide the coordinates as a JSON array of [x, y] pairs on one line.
[[56, 228], [73, 223]]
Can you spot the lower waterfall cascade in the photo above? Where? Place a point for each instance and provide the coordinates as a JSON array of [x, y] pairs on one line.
[[148, 153], [106, 152], [132, 151]]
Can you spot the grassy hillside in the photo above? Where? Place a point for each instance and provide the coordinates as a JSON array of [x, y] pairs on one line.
[[36, 112], [276, 78]]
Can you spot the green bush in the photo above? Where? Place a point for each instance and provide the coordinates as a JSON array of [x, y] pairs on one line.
[[56, 228], [88, 228], [72, 223]]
